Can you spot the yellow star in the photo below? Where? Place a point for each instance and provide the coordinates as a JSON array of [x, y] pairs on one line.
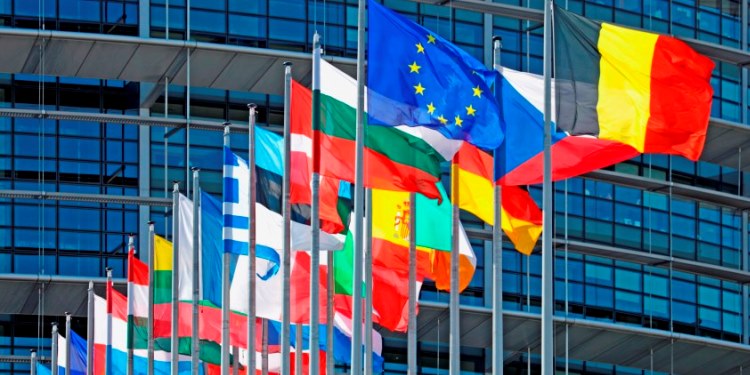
[[430, 108], [414, 68], [419, 89], [458, 120], [442, 120], [477, 92], [420, 49], [470, 111], [430, 39]]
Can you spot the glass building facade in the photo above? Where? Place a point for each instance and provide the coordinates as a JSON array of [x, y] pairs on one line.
[[612, 210]]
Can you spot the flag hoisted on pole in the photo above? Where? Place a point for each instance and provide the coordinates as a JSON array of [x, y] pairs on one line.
[[548, 353], [411, 348], [359, 191], [225, 277], [195, 341], [497, 253], [251, 251], [286, 212], [175, 339], [131, 328], [315, 212], [151, 283], [90, 328]]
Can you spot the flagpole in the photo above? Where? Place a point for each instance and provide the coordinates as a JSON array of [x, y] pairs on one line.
[[67, 342], [455, 340], [236, 364], [287, 215], [225, 292], [411, 351], [33, 362], [298, 349], [195, 341], [174, 342], [359, 198], [131, 329], [151, 285], [90, 330], [315, 214], [108, 360], [548, 355], [264, 348], [329, 315], [368, 284], [497, 254], [251, 113], [54, 348]]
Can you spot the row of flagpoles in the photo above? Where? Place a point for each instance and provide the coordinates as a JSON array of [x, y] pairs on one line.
[[240, 218]]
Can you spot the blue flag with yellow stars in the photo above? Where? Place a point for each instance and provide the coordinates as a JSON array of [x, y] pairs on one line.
[[417, 78]]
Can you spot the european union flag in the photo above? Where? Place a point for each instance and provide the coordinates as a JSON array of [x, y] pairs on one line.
[[417, 78]]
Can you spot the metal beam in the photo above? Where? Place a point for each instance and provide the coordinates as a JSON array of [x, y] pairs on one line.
[[99, 281], [95, 198]]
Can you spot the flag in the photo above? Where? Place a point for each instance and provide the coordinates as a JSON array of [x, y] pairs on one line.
[[78, 350], [396, 158], [391, 233], [521, 217], [138, 275], [649, 91], [269, 224], [44, 370], [389, 285], [118, 310], [100, 335], [519, 159], [417, 78]]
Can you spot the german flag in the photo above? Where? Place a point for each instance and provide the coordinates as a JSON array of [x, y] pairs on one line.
[[648, 91]]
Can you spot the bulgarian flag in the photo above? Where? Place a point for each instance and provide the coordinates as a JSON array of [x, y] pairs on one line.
[[396, 158]]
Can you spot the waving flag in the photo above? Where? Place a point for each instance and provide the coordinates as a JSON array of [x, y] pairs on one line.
[[417, 78], [78, 350], [649, 91]]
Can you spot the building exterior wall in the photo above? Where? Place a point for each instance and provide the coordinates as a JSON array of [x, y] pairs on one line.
[[81, 239]]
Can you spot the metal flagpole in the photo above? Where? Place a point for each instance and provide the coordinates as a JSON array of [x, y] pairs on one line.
[[175, 343], [548, 355], [225, 293], [497, 254], [368, 284], [359, 197], [67, 342], [264, 348], [411, 351], [329, 316], [54, 349], [151, 285], [236, 362], [298, 350], [129, 365], [109, 366], [287, 215], [455, 340], [90, 330], [251, 113], [33, 362], [315, 212], [194, 340]]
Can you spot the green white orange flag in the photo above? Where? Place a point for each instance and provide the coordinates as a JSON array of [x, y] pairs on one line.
[[521, 217]]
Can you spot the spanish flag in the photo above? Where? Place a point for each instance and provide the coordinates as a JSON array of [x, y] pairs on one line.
[[649, 91], [521, 217]]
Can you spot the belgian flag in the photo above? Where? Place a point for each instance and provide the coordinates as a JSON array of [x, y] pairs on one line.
[[648, 91]]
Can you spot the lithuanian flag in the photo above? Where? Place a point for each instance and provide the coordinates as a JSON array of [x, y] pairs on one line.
[[521, 217], [648, 91]]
